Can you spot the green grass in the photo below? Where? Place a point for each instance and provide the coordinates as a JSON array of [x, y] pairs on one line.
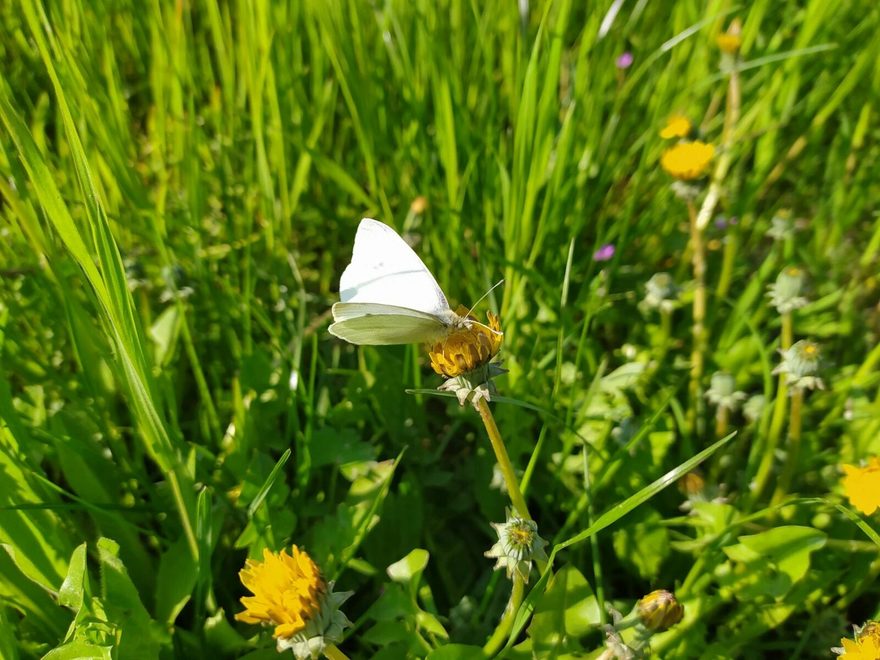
[[180, 183]]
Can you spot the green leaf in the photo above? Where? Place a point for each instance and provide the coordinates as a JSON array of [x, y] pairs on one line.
[[457, 652], [76, 584], [331, 447], [176, 578], [80, 651], [164, 333], [644, 543], [563, 614], [140, 637], [774, 561], [409, 569]]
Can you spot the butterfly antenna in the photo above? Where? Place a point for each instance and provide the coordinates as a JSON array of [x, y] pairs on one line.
[[481, 299]]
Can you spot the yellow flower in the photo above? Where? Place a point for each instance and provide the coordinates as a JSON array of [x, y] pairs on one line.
[[862, 486], [677, 126], [865, 648], [730, 41], [288, 591], [467, 348], [687, 160]]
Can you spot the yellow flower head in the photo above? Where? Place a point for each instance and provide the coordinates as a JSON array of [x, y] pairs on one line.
[[677, 126], [687, 160], [467, 348], [288, 591], [730, 41], [862, 487], [865, 646]]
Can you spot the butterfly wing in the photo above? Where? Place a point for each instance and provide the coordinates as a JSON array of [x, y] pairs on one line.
[[385, 270], [376, 324]]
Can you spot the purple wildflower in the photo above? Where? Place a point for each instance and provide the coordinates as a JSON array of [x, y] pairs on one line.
[[604, 253], [624, 60]]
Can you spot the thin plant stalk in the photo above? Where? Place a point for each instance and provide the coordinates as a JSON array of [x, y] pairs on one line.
[[698, 261], [594, 539], [698, 223], [722, 416], [794, 445], [779, 411], [516, 496], [502, 630], [333, 653]]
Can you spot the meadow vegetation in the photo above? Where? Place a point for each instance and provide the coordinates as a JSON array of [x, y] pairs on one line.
[[690, 324]]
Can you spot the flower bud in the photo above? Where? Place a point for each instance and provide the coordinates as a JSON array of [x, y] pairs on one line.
[[660, 610], [785, 293]]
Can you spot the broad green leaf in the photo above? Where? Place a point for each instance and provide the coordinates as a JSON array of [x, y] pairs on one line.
[[76, 585], [457, 652], [140, 636], [644, 543], [410, 568], [565, 612], [175, 581]]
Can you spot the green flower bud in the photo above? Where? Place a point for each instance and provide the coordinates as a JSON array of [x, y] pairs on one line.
[[785, 293]]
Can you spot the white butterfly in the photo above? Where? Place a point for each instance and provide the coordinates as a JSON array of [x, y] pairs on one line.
[[387, 295]]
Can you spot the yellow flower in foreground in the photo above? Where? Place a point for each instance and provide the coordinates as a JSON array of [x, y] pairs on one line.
[[687, 160], [290, 594], [287, 591], [864, 647], [677, 126], [862, 486], [467, 348]]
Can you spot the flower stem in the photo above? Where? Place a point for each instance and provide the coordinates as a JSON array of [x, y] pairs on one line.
[[779, 410], [794, 445], [502, 630], [333, 652], [516, 497], [698, 260]]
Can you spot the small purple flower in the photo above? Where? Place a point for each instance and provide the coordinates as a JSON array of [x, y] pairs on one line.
[[624, 60], [604, 253], [722, 222]]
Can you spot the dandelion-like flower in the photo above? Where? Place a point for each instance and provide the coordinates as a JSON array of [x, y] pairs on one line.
[[785, 293], [464, 357], [800, 364], [865, 644], [290, 594], [677, 126], [660, 610], [518, 545], [687, 160], [861, 485], [723, 393]]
